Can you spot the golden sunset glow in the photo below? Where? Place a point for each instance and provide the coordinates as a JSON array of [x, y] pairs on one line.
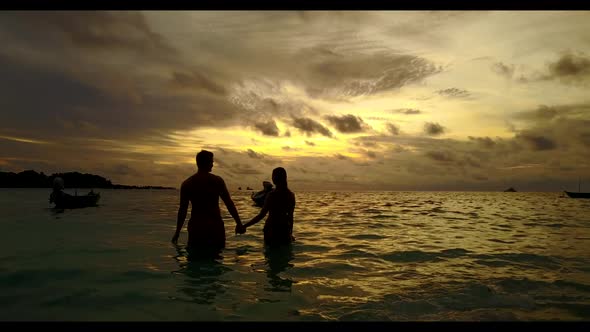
[[373, 100]]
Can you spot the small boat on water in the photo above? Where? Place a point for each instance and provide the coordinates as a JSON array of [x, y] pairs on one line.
[[578, 194], [66, 201], [572, 194]]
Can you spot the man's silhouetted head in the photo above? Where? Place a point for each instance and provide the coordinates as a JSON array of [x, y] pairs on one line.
[[205, 160]]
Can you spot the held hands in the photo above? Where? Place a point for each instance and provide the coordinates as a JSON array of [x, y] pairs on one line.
[[240, 229]]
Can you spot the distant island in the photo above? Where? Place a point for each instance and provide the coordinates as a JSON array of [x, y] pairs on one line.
[[32, 179], [510, 190]]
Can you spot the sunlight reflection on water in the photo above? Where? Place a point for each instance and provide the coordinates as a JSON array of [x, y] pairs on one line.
[[358, 256]]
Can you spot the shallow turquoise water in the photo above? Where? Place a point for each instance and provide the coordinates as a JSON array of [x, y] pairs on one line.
[[358, 256]]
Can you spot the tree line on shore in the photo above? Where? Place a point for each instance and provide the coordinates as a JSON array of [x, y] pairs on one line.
[[32, 179]]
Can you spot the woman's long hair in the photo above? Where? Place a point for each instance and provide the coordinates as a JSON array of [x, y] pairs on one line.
[[279, 177]]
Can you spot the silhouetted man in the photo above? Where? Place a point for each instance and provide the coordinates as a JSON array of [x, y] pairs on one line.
[[203, 189]]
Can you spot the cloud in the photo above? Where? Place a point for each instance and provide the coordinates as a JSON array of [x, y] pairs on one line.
[[503, 69], [196, 80], [347, 123], [536, 142], [90, 31], [268, 128], [407, 111], [393, 129], [433, 129], [485, 142], [309, 126], [254, 155], [454, 93], [547, 113], [70, 94], [244, 169], [569, 67], [354, 74], [147, 90], [443, 156]]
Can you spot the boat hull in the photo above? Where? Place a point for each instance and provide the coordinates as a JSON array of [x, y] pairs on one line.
[[577, 194], [76, 202]]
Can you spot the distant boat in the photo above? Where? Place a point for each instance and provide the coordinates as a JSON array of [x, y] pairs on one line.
[[577, 195], [510, 190], [66, 201]]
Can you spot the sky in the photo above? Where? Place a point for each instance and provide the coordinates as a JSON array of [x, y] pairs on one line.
[[343, 100]]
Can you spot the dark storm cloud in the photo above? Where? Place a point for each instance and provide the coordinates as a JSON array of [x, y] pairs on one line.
[[310, 143], [91, 30], [485, 142], [254, 155], [341, 157], [393, 129], [260, 105], [443, 156], [368, 144], [66, 106], [195, 81], [503, 69], [433, 129], [347, 123], [34, 97], [371, 154], [548, 113], [536, 142], [407, 111], [350, 75], [268, 128], [310, 126], [569, 67], [77, 94], [454, 93]]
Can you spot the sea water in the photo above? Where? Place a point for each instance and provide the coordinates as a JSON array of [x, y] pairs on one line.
[[393, 256]]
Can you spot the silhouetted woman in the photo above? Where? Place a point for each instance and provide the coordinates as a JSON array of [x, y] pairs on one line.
[[280, 204]]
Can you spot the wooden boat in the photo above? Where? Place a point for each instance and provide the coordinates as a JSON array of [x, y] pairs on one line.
[[66, 201], [577, 194]]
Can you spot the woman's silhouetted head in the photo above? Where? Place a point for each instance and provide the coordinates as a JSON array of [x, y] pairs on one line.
[[279, 177]]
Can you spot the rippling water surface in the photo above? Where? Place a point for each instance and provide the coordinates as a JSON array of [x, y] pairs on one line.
[[358, 256]]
